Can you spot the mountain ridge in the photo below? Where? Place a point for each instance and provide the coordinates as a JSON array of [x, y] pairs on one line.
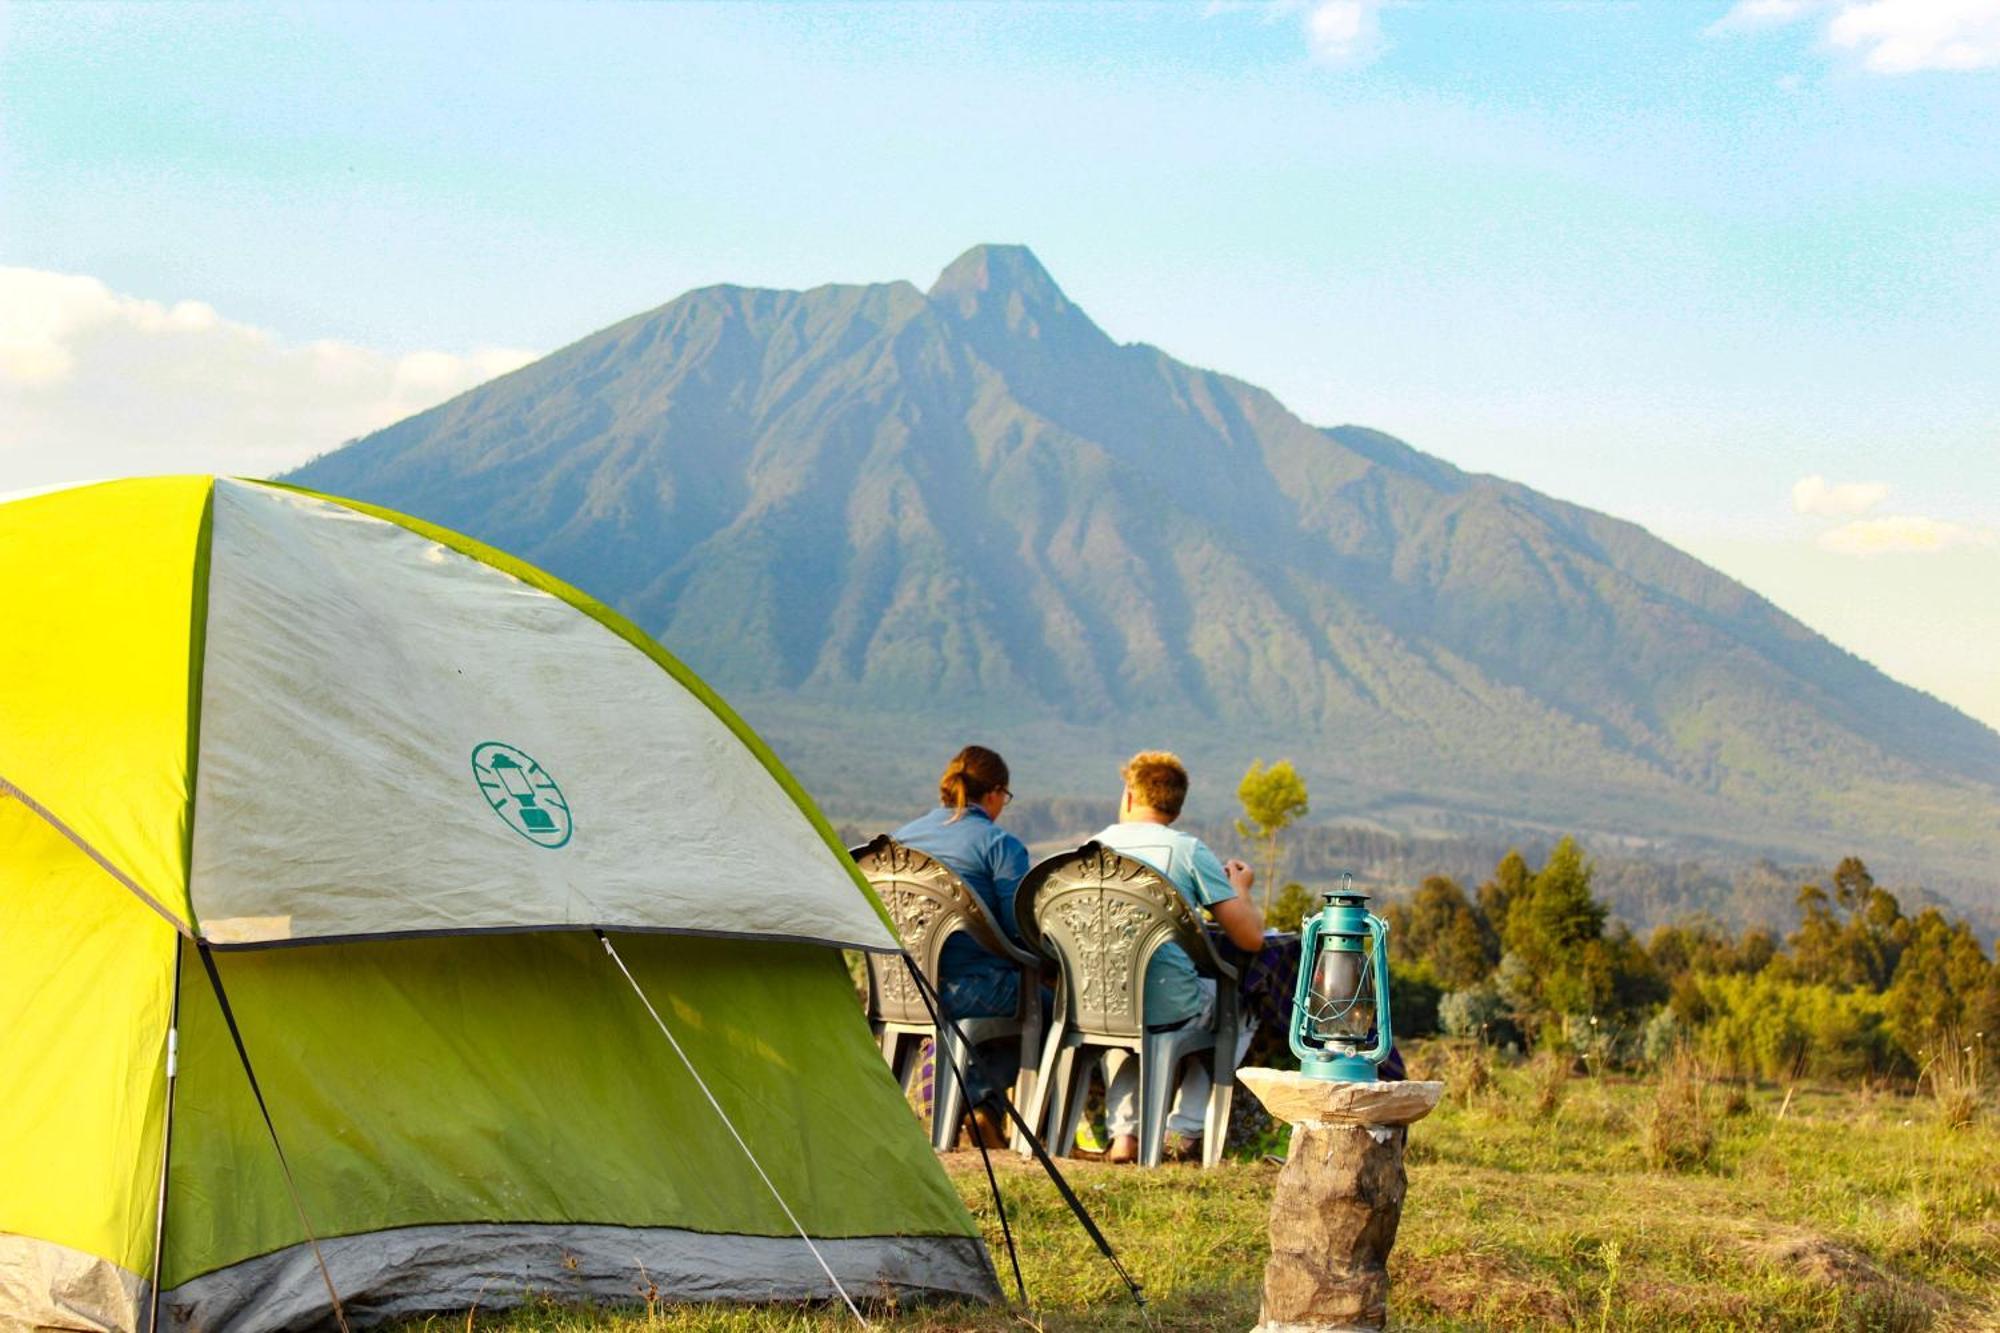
[[970, 505]]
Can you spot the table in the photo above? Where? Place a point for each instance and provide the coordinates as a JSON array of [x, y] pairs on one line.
[[1267, 980]]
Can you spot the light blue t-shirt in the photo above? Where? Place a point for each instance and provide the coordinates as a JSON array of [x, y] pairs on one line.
[[1173, 987]]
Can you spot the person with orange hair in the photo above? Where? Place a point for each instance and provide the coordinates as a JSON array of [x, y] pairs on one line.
[[1156, 786]]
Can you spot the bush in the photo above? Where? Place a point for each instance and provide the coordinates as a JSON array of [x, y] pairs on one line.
[[1665, 1034], [1677, 1132], [1550, 1075], [1479, 1011], [1952, 1070], [1292, 907], [1467, 1075], [1414, 997], [1781, 1029]]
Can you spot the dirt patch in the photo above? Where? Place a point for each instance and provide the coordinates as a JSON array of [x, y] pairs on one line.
[[1474, 1283], [1900, 1301], [1823, 1260]]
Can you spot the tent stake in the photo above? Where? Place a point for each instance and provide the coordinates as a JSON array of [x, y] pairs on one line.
[[284, 1165]]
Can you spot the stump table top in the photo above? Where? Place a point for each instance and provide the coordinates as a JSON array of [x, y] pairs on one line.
[[1290, 1096]]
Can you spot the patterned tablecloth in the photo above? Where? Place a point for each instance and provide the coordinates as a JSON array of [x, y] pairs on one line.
[[1268, 979]]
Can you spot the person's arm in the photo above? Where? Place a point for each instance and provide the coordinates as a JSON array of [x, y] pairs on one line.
[[1008, 862], [1226, 889]]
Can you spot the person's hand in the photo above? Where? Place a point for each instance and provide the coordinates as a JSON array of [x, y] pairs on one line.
[[1240, 876]]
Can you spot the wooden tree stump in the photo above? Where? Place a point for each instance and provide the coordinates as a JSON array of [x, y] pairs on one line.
[[1339, 1199]]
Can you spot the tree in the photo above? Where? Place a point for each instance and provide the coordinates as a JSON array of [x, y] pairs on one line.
[[1944, 988], [1556, 931], [1863, 949], [1439, 926], [1272, 798], [1497, 895], [1294, 905]]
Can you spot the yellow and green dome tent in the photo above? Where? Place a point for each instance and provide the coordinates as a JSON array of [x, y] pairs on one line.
[[349, 871]]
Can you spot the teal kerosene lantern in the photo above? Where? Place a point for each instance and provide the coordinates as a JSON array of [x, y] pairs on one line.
[[1340, 1015]]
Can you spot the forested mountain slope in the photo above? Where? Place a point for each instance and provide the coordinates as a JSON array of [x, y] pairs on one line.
[[884, 520]]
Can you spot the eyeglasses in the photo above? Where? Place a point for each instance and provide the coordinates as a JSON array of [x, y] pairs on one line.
[[1006, 797]]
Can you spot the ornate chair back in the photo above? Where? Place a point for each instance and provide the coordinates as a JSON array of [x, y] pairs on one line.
[[929, 905], [1103, 916]]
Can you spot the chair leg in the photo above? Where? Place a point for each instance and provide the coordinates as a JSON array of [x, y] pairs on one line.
[[947, 1090], [1065, 1101], [1028, 1073], [1037, 1105], [1156, 1093], [1215, 1133]]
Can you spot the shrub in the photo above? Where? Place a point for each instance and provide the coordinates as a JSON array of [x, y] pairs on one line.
[[1677, 1131], [1414, 996], [1665, 1034], [1952, 1070], [1479, 1012], [1291, 908], [1467, 1075], [1550, 1073]]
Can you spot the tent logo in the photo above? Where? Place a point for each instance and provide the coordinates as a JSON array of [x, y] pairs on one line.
[[522, 793]]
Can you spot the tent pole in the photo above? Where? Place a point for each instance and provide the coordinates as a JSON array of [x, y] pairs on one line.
[[935, 1005], [971, 1104], [284, 1164], [166, 1145]]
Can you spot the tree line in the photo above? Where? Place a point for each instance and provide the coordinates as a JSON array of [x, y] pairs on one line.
[[1532, 958]]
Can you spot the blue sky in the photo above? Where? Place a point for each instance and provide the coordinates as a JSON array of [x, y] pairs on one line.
[[1668, 260]]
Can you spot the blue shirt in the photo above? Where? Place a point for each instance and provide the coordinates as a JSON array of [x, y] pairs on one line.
[[991, 861], [1173, 987]]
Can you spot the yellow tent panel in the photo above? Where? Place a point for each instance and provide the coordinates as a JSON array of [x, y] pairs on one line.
[[86, 996], [102, 583]]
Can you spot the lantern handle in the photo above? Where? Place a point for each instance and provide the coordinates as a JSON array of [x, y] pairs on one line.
[[1384, 1030]]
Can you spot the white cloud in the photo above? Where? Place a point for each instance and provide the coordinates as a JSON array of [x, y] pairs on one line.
[[1890, 36], [1901, 533], [1903, 36], [1337, 32], [94, 383], [1816, 495], [1344, 32]]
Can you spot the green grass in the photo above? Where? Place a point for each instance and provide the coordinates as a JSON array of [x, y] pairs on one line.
[[1853, 1211]]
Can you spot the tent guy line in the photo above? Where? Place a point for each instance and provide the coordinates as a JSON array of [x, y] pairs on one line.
[[730, 1125], [292, 759]]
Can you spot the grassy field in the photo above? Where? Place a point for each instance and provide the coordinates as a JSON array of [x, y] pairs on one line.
[[1532, 1203]]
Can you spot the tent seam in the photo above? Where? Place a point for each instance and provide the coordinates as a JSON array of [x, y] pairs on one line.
[[204, 551], [104, 862], [559, 927]]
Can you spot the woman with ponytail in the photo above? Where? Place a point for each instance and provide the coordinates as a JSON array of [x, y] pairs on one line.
[[963, 833]]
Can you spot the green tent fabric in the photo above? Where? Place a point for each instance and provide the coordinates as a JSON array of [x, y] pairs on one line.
[[391, 784]]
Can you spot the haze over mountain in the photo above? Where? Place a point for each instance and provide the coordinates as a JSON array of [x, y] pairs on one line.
[[884, 521]]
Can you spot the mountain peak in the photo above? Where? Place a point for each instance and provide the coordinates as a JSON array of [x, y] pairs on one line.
[[989, 271], [1004, 291]]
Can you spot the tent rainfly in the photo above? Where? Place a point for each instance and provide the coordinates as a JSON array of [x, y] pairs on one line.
[[387, 927]]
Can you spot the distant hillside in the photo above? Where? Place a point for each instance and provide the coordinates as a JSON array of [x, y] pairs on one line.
[[884, 520]]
